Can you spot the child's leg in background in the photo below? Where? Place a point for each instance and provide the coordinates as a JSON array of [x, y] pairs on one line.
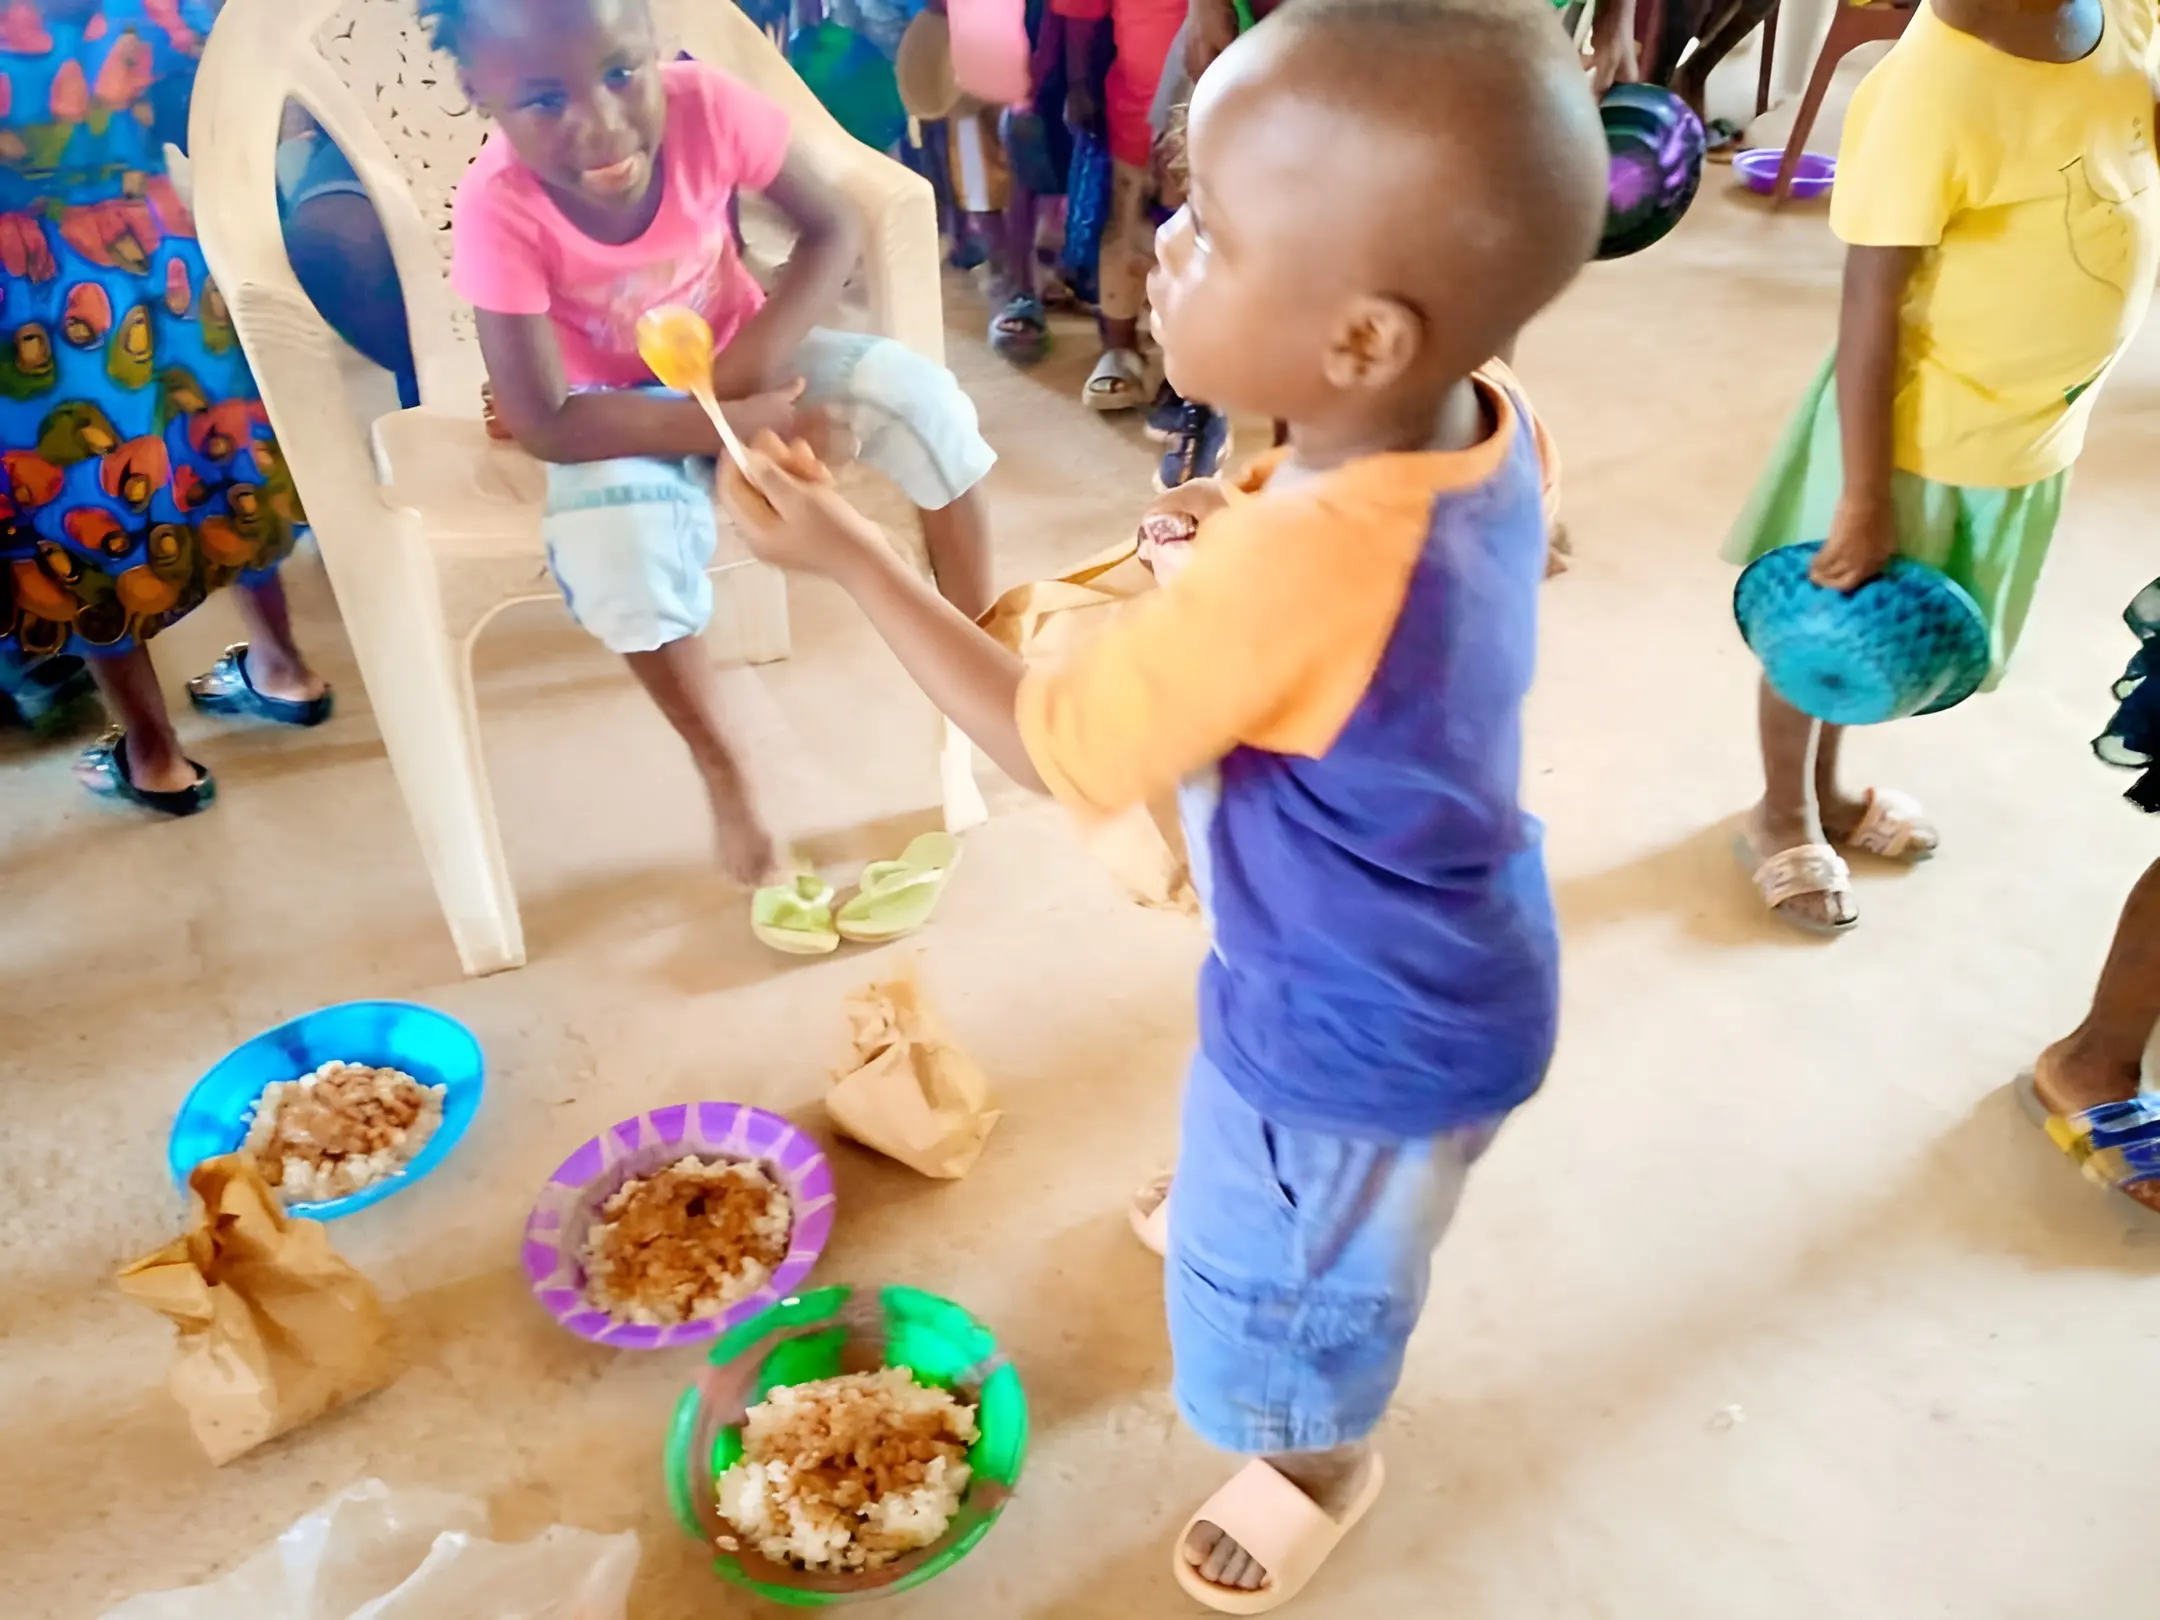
[[1127, 253], [918, 428], [628, 542], [1299, 1262], [1796, 751]]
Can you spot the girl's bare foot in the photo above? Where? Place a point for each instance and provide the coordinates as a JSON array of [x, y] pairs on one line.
[[2074, 1075], [747, 851], [274, 674], [1769, 834], [1333, 1479]]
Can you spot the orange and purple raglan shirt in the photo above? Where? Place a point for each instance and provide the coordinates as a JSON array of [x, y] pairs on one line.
[[1335, 681]]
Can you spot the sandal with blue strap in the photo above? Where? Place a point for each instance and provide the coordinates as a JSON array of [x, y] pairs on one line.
[[225, 689], [103, 769], [2115, 1145]]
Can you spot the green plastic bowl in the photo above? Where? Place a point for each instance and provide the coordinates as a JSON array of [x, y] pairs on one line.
[[820, 1335]]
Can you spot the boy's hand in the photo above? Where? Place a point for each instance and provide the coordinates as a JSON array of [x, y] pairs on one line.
[[1863, 539], [1171, 521], [789, 512]]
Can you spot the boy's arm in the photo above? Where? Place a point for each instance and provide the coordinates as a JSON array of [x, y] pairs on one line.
[[1863, 534], [535, 404], [828, 241], [1268, 640]]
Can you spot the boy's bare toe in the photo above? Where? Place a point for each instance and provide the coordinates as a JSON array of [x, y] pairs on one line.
[[1221, 1561]]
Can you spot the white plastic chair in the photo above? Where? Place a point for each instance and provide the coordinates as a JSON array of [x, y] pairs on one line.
[[433, 528]]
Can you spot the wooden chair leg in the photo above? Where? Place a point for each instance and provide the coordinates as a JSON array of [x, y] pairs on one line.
[[1769, 59], [1841, 40]]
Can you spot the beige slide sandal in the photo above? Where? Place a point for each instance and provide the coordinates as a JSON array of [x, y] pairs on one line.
[[1895, 828], [1284, 1530]]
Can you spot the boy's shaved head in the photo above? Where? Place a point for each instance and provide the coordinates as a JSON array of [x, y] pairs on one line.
[[1392, 187]]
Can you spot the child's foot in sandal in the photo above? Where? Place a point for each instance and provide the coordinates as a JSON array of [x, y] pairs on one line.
[[1019, 332], [1258, 1542], [895, 898], [1882, 822], [796, 917], [1803, 881], [1118, 382], [2095, 1113]]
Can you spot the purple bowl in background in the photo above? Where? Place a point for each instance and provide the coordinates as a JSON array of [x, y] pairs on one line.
[[1758, 169], [561, 1215]]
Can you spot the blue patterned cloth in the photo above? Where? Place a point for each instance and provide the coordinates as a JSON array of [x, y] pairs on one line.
[[141, 472]]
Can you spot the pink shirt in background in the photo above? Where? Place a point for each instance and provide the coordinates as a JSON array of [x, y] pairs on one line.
[[513, 253]]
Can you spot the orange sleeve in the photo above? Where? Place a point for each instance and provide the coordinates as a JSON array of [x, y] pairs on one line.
[[1268, 639], [1498, 371]]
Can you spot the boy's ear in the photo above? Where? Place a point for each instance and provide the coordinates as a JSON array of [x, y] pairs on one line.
[[1375, 342]]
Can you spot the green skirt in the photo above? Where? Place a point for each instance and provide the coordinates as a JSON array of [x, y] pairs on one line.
[[1991, 541]]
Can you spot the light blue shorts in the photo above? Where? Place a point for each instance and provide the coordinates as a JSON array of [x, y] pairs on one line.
[[629, 540], [1298, 1265]]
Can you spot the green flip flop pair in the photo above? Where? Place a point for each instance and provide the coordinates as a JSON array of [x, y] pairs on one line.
[[893, 900]]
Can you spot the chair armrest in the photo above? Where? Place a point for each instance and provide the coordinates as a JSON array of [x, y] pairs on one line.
[[900, 243]]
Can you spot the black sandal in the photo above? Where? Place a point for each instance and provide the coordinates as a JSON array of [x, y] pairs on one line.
[[102, 768], [224, 688]]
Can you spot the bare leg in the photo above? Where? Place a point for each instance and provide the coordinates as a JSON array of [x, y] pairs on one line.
[[1841, 811], [1722, 34], [1331, 1478], [2099, 1061], [679, 677], [128, 683], [958, 540], [1786, 815], [275, 665]]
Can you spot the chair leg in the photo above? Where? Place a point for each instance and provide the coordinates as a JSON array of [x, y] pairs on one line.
[[1841, 40], [754, 600], [420, 687], [1764, 75]]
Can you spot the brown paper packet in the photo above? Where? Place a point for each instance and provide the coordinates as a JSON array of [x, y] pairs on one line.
[[275, 1328], [908, 1091], [1144, 847]]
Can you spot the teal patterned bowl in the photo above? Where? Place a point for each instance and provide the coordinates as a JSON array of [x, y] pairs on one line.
[[1910, 641]]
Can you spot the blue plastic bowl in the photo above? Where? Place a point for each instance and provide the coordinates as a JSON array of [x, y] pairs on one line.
[[1910, 641], [432, 1047]]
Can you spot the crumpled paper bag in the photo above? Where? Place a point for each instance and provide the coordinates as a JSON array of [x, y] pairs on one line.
[[378, 1552], [1144, 847], [909, 1091], [275, 1328]]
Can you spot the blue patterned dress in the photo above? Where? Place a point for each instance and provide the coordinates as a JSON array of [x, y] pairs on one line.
[[141, 473]]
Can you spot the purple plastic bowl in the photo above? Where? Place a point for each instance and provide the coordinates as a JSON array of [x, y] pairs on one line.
[[561, 1215], [1758, 169]]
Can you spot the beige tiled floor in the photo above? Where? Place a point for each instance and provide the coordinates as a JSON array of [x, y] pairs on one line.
[[1767, 1180]]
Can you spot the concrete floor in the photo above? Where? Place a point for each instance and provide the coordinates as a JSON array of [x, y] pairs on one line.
[[1763, 1308]]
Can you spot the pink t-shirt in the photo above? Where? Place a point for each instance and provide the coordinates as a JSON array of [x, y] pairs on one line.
[[512, 252]]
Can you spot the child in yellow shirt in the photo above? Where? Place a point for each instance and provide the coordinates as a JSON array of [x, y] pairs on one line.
[[1999, 197]]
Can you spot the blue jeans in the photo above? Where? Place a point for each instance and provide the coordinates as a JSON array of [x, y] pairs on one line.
[[1298, 1265]]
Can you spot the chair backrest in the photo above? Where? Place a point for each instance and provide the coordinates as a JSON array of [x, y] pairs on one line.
[[395, 107]]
